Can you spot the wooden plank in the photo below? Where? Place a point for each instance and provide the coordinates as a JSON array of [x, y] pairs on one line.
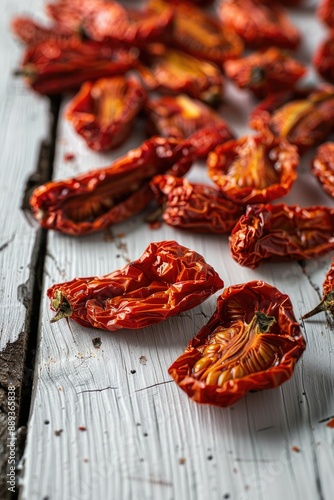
[[108, 422], [23, 125]]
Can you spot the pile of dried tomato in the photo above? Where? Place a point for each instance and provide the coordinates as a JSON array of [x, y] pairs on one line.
[[168, 63]]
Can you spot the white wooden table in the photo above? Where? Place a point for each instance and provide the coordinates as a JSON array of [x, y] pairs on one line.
[[109, 423]]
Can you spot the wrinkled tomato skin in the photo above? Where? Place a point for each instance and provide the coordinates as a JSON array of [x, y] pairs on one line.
[[323, 167], [206, 359], [325, 12], [265, 72], [254, 169], [185, 118], [280, 233], [103, 111], [259, 24], [323, 58], [99, 198], [166, 280], [196, 207]]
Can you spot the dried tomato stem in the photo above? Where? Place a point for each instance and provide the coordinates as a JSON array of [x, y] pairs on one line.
[[62, 307], [327, 304]]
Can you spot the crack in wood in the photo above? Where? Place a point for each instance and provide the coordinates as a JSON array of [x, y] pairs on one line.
[[154, 385], [98, 390], [325, 419], [160, 482], [7, 243]]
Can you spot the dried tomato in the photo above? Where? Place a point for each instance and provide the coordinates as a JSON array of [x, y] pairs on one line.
[[252, 342], [103, 112], [166, 280], [305, 122], [134, 27], [173, 72], [260, 115], [30, 32], [282, 233], [323, 167], [94, 200], [183, 117], [267, 71], [323, 58], [325, 12], [254, 169], [259, 24], [199, 34], [56, 65], [72, 15], [196, 207], [327, 302]]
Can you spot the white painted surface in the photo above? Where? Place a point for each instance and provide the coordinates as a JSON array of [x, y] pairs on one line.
[[23, 125], [144, 438]]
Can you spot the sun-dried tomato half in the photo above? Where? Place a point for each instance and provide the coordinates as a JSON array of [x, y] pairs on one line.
[[323, 167], [323, 58], [30, 32], [58, 65], [199, 34], [109, 21], [96, 199], [267, 71], [305, 122], [183, 117], [327, 302], [103, 112], [138, 28], [259, 24], [325, 12], [173, 72], [166, 280], [282, 233], [252, 342], [260, 116], [72, 15], [196, 207], [254, 169]]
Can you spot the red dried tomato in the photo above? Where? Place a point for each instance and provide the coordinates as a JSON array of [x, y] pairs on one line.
[[254, 169], [325, 12], [134, 27], [260, 115], [94, 200], [252, 342], [259, 24], [103, 112], [306, 122], [166, 280], [282, 233], [57, 65], [173, 72], [323, 58], [195, 207], [29, 32], [268, 71], [199, 34], [183, 117], [327, 302], [323, 167], [72, 15]]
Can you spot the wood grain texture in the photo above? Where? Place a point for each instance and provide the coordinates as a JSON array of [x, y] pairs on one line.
[[109, 423], [23, 124]]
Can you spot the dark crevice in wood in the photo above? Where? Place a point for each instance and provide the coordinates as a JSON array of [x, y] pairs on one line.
[[44, 168], [17, 361]]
